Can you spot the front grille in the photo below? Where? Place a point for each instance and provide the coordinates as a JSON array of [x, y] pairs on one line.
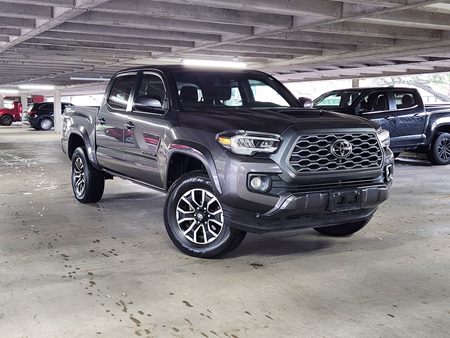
[[313, 153]]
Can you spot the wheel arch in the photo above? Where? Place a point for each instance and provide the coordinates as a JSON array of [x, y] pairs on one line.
[[183, 158], [78, 138], [438, 129]]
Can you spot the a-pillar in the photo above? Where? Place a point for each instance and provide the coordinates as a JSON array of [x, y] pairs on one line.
[[57, 114], [2, 101], [24, 102]]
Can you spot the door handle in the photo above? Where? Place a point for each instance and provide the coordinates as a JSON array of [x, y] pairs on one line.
[[101, 121], [130, 125], [389, 117]]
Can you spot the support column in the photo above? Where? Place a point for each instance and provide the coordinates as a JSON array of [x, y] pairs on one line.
[[355, 83], [24, 102], [57, 118], [2, 102]]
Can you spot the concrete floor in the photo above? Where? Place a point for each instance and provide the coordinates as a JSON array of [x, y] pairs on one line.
[[109, 270]]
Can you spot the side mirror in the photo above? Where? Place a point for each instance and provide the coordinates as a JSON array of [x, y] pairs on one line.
[[305, 102], [147, 103]]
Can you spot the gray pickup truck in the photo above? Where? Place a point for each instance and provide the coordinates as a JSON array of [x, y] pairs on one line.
[[234, 150]]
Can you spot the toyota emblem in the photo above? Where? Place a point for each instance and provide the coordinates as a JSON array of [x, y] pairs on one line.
[[341, 149]]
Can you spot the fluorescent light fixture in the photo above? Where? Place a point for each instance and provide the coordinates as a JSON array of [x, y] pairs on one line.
[[214, 63], [9, 91], [36, 87], [97, 79]]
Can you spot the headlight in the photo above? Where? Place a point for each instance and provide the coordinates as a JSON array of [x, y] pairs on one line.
[[384, 137], [249, 143]]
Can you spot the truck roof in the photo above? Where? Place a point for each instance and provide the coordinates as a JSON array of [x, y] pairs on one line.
[[171, 68], [364, 89]]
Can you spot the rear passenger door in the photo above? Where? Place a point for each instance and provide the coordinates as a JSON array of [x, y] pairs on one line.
[[410, 118], [145, 128], [110, 124]]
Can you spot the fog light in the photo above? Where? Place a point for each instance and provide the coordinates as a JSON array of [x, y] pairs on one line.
[[259, 183], [256, 182]]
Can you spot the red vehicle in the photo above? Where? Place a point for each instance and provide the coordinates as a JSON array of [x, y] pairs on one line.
[[8, 116]]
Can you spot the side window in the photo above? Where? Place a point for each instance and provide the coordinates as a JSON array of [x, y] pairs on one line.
[[263, 93], [121, 91], [151, 93], [404, 99], [235, 98], [374, 102], [45, 106], [333, 100]]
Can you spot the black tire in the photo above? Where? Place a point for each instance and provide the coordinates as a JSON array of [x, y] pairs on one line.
[[343, 229], [439, 152], [6, 120], [91, 190], [208, 244], [45, 123]]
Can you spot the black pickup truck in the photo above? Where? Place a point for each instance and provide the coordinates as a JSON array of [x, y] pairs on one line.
[[234, 150], [412, 125]]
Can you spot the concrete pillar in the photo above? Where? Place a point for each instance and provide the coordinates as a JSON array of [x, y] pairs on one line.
[[2, 101], [355, 83], [57, 118], [24, 102]]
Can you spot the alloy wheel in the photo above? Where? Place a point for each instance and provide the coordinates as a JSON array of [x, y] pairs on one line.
[[444, 149], [79, 177], [199, 216], [46, 124]]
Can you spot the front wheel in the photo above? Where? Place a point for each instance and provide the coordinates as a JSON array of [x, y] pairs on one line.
[[195, 220], [88, 183], [343, 229], [440, 150]]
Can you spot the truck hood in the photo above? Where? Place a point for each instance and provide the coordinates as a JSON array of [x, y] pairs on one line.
[[275, 121]]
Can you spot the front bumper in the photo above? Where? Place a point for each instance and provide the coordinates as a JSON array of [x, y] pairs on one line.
[[311, 209], [300, 202]]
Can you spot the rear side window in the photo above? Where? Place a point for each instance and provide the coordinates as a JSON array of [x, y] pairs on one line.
[[404, 99], [46, 106], [374, 102], [121, 91]]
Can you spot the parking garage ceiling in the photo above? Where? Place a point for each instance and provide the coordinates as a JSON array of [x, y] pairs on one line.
[[56, 41]]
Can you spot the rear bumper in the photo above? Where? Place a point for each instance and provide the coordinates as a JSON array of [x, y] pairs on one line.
[[310, 210], [34, 121]]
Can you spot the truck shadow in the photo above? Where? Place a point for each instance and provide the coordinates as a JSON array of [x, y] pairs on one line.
[[413, 161], [282, 244]]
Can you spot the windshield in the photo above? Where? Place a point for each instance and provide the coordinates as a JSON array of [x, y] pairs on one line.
[[342, 99], [227, 90]]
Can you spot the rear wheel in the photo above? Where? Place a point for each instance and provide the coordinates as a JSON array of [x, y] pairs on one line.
[[195, 220], [6, 120], [45, 123], [88, 183], [439, 152], [343, 229]]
